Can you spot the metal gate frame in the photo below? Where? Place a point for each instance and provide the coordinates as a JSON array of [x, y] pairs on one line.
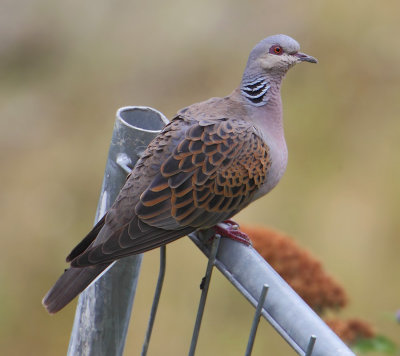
[[104, 308]]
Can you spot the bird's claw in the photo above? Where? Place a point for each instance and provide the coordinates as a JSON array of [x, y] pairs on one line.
[[230, 229]]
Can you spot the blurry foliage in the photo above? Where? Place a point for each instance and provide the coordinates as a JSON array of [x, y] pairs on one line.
[[65, 68], [306, 275], [299, 268], [379, 344]]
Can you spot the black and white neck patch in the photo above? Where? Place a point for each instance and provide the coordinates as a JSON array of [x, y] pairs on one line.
[[255, 91]]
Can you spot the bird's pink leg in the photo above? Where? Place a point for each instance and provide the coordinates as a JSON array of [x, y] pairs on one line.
[[230, 229]]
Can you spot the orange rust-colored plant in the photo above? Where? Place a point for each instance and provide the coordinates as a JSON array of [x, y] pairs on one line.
[[305, 274], [351, 330]]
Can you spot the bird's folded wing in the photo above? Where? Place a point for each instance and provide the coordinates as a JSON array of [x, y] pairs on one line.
[[212, 172]]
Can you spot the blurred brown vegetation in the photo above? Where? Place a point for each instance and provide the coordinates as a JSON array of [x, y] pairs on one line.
[[306, 275], [299, 268], [351, 330], [65, 68]]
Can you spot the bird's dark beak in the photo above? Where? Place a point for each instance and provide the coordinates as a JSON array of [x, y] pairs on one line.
[[302, 57]]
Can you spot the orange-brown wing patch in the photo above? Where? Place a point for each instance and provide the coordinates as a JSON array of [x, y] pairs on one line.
[[213, 172]]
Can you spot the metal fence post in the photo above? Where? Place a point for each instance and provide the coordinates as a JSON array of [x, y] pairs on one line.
[[104, 308]]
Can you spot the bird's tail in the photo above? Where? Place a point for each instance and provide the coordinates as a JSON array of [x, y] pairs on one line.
[[69, 285]]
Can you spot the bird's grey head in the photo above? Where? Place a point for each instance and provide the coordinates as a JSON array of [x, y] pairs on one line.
[[276, 54], [268, 62]]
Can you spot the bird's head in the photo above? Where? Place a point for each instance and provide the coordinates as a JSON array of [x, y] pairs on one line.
[[277, 54]]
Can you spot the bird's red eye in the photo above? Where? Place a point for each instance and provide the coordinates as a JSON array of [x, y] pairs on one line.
[[276, 50]]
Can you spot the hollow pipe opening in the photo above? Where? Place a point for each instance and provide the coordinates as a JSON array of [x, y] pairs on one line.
[[142, 118]]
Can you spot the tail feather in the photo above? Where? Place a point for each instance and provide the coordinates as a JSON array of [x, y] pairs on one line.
[[69, 285]]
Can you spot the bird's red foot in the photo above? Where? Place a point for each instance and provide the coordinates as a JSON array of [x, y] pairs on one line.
[[230, 229]]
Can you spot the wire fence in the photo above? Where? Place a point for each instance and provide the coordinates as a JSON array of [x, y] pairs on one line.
[[104, 308]]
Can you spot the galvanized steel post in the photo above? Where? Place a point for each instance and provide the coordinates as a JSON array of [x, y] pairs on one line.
[[104, 308]]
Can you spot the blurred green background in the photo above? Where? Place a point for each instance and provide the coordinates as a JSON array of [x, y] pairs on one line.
[[66, 67]]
